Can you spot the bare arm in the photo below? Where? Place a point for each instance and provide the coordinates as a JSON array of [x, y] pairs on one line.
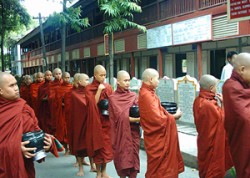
[[178, 114], [98, 93]]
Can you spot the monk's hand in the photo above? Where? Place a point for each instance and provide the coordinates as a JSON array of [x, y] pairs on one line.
[[219, 96], [178, 114], [27, 151], [47, 142], [45, 98], [101, 87]]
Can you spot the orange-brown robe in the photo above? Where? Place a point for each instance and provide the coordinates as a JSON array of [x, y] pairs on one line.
[[236, 96], [213, 149], [126, 158], [34, 94], [98, 134], [25, 93], [17, 118], [61, 127], [160, 136], [78, 122], [44, 115]]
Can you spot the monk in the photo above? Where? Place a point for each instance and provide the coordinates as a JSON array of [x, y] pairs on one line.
[[56, 83], [78, 122], [68, 111], [125, 129], [214, 157], [236, 95], [44, 114], [34, 90], [59, 109], [98, 126], [16, 118], [25, 89], [160, 133]]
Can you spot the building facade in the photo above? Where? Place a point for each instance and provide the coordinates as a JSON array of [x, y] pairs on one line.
[[183, 37]]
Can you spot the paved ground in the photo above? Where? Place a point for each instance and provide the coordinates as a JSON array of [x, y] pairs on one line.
[[62, 167]]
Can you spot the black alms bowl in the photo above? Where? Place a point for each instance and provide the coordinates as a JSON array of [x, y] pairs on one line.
[[104, 106], [36, 139], [134, 111], [171, 107]]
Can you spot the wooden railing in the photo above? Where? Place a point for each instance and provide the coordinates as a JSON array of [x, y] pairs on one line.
[[210, 3]]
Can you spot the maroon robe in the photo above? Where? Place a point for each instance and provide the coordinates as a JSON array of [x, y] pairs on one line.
[[98, 134], [78, 122], [44, 115], [52, 102], [59, 109], [17, 118], [25, 93], [236, 95], [34, 94], [214, 157], [160, 137], [126, 158]]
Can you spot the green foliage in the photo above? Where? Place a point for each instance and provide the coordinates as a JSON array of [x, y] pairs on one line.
[[13, 15], [71, 16], [119, 15]]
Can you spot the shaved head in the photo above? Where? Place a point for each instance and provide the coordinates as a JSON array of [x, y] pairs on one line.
[[39, 74], [123, 79], [100, 73], [243, 59], [57, 73], [149, 73], [76, 79], [208, 81], [48, 75], [3, 77], [83, 80], [8, 86], [56, 70], [27, 79], [66, 74], [66, 77], [151, 77], [39, 77], [48, 72], [121, 74], [98, 69], [242, 66], [83, 76]]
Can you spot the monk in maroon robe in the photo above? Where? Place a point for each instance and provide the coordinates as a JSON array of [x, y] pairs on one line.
[[160, 133], [236, 96], [98, 126], [25, 89], [57, 82], [16, 118], [44, 114], [125, 130], [34, 90], [58, 107], [214, 157], [78, 122]]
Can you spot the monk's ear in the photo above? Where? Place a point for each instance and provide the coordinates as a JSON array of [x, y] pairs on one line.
[[118, 82], [241, 69], [1, 91]]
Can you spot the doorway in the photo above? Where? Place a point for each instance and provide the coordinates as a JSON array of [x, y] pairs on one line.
[[217, 61], [181, 65]]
